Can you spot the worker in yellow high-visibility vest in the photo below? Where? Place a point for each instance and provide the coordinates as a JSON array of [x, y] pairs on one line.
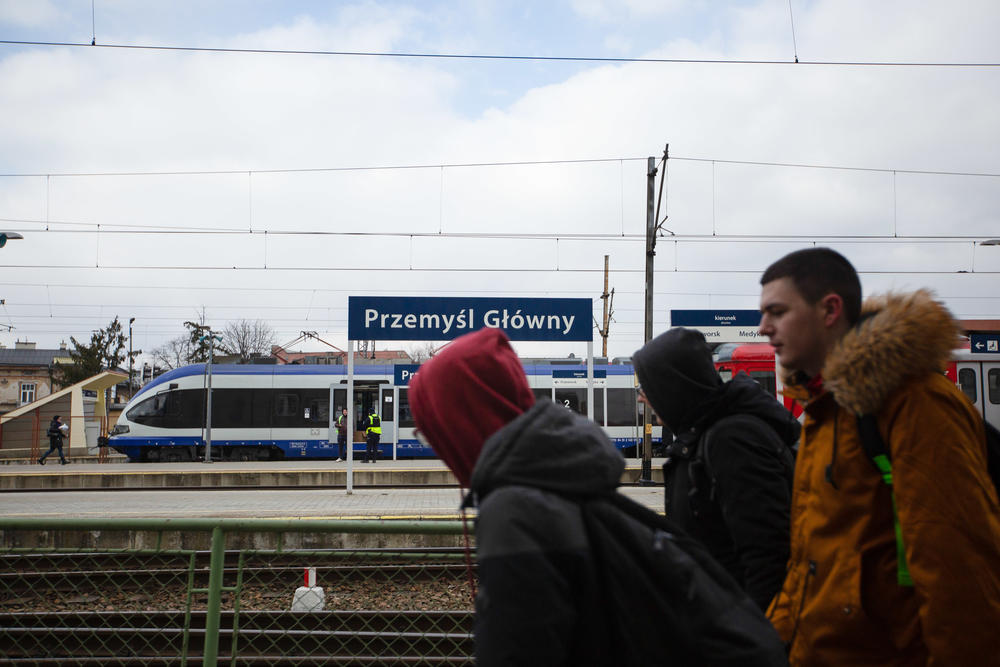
[[373, 433]]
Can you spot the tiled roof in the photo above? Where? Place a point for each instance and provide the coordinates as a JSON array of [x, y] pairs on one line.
[[10, 357]]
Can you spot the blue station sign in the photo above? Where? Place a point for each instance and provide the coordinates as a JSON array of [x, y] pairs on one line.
[[447, 318], [578, 374], [720, 326], [984, 343], [403, 373]]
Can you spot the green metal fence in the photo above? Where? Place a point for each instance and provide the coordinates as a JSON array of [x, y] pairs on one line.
[[228, 591]]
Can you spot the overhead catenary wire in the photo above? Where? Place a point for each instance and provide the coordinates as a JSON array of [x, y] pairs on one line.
[[448, 270], [484, 164], [500, 57]]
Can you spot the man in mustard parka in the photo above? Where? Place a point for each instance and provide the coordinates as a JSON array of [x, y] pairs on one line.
[[853, 594]]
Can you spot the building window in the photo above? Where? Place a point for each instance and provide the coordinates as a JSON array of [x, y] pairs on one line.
[[27, 392]]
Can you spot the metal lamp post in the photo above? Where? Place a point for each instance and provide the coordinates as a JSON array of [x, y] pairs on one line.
[[130, 389], [208, 398]]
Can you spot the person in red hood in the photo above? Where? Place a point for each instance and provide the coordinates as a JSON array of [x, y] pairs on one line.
[[468, 392], [537, 601]]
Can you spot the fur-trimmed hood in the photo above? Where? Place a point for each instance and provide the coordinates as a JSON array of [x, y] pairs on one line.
[[899, 336]]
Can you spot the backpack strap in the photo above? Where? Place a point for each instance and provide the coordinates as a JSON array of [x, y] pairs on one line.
[[876, 450]]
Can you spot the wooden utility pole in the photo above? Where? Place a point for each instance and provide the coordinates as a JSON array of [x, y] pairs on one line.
[[609, 300]]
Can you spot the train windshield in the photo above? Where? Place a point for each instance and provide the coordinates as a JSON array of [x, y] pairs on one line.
[[171, 409]]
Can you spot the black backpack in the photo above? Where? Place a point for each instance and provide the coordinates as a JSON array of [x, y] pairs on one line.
[[652, 572], [698, 474], [875, 448]]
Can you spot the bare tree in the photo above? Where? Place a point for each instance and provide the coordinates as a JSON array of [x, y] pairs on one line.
[[248, 339], [422, 351], [175, 353]]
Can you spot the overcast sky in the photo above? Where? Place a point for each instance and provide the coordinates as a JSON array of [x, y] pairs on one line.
[[87, 135]]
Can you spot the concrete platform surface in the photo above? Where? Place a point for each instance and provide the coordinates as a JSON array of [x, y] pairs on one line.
[[244, 474], [440, 503]]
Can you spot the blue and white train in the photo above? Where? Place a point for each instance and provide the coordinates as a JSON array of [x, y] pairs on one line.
[[284, 411]]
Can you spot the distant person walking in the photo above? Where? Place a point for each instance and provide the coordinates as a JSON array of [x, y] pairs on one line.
[[57, 430], [373, 433], [728, 474], [342, 434]]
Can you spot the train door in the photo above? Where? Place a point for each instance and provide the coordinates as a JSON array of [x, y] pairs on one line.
[[991, 392], [980, 382], [338, 400], [969, 380], [387, 411], [366, 397]]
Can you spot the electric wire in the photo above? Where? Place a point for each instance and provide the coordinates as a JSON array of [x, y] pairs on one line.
[[791, 19], [484, 164], [450, 270], [295, 170], [502, 57]]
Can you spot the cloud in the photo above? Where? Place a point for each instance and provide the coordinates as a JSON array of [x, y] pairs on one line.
[[608, 10], [29, 14], [96, 110]]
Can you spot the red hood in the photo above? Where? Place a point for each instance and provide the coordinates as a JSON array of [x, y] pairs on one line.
[[465, 394]]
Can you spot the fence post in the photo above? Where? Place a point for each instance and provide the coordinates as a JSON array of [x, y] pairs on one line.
[[213, 610]]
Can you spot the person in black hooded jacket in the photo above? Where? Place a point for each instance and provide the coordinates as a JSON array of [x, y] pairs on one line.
[[728, 474]]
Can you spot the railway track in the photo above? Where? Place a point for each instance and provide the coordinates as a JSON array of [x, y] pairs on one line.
[[359, 637], [383, 606]]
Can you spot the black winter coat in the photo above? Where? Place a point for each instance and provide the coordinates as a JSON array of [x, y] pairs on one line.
[[738, 505], [55, 435], [538, 588]]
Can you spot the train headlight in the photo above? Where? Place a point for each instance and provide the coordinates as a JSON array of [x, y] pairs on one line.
[[119, 429]]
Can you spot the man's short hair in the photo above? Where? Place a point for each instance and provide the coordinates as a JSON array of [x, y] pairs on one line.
[[816, 272]]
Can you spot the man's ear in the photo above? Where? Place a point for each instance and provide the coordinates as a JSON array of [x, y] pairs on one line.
[[832, 306]]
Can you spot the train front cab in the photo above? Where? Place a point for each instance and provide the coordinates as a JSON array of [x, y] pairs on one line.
[[757, 361]]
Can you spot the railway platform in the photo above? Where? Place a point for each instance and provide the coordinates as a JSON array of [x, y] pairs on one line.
[[224, 475]]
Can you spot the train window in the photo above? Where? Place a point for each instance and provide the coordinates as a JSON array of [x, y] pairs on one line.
[[576, 400], [286, 405], [232, 408], [621, 407], [405, 415], [317, 403], [260, 413], [386, 411], [766, 380], [339, 401], [150, 411], [967, 383], [317, 411], [542, 393], [286, 410], [171, 409], [993, 382], [573, 399]]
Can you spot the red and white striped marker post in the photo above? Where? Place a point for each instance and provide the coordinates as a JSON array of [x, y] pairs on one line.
[[309, 597]]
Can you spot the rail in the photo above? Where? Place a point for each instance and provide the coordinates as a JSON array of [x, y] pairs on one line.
[[201, 591]]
